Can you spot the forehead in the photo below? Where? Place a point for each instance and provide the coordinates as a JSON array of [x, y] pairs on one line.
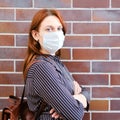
[[51, 21]]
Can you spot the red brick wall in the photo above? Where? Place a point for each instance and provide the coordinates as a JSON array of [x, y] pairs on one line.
[[91, 50]]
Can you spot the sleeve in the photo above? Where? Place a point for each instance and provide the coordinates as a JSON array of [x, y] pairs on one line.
[[48, 86]]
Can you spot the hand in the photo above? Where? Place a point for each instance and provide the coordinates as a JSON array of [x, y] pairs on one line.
[[82, 99], [77, 88], [54, 113]]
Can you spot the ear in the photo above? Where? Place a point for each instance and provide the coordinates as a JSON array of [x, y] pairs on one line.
[[35, 35]]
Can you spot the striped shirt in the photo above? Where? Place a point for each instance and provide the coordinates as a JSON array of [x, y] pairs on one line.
[[49, 80]]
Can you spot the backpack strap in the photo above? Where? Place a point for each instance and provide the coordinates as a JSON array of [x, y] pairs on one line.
[[40, 109], [43, 104]]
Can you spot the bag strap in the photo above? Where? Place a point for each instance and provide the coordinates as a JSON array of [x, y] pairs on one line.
[[40, 109], [22, 98], [23, 93], [43, 104]]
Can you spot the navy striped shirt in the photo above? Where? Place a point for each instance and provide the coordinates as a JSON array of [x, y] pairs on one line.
[[49, 80]]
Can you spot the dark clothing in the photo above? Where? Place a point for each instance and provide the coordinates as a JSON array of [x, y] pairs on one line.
[[49, 80]]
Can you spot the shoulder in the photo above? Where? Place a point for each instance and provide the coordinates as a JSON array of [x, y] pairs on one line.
[[39, 63], [42, 65]]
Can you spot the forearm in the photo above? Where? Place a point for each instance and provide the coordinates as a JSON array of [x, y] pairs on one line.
[[82, 99], [82, 93]]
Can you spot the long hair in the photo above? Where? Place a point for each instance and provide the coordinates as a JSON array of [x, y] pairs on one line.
[[34, 47]]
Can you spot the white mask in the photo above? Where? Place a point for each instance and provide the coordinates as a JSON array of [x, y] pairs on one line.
[[53, 41]]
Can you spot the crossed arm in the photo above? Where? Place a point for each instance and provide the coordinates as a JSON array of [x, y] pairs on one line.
[[77, 95]]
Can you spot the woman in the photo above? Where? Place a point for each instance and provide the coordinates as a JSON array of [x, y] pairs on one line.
[[48, 79]]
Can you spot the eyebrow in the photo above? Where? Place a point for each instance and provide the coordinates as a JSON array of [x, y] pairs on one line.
[[53, 26]]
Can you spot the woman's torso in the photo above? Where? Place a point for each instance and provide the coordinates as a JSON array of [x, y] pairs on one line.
[[62, 75]]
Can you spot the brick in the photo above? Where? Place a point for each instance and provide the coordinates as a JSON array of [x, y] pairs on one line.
[[21, 40], [6, 40], [106, 92], [19, 66], [6, 14], [106, 67], [8, 91], [106, 116], [78, 66], [115, 28], [77, 41], [14, 27], [91, 79], [115, 105], [65, 54], [16, 3], [3, 103], [115, 54], [12, 53], [25, 14], [91, 3], [115, 3], [77, 15], [68, 27], [19, 91], [106, 15], [6, 66], [115, 79], [90, 28], [99, 105], [90, 54], [52, 4], [106, 41], [11, 78], [86, 116]]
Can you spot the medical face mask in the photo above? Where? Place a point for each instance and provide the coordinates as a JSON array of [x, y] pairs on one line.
[[53, 41]]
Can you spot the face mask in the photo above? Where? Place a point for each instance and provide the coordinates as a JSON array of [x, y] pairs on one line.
[[53, 41]]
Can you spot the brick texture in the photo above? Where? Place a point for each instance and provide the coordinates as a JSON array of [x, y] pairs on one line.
[[99, 105], [91, 3], [115, 79], [52, 3], [105, 116], [91, 79], [16, 3], [14, 27], [115, 3], [87, 28], [6, 14], [6, 40], [91, 49], [106, 15], [90, 54]]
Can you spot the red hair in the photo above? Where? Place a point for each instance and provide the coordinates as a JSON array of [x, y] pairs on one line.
[[33, 46]]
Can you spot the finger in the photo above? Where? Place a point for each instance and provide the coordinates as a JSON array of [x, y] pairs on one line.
[[55, 115], [52, 110]]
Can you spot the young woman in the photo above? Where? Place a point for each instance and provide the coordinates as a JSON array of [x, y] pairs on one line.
[[48, 79]]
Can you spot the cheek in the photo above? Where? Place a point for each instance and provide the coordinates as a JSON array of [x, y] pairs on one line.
[[41, 33], [41, 40]]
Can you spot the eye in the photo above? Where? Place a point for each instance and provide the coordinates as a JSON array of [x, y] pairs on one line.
[[48, 29], [60, 28]]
